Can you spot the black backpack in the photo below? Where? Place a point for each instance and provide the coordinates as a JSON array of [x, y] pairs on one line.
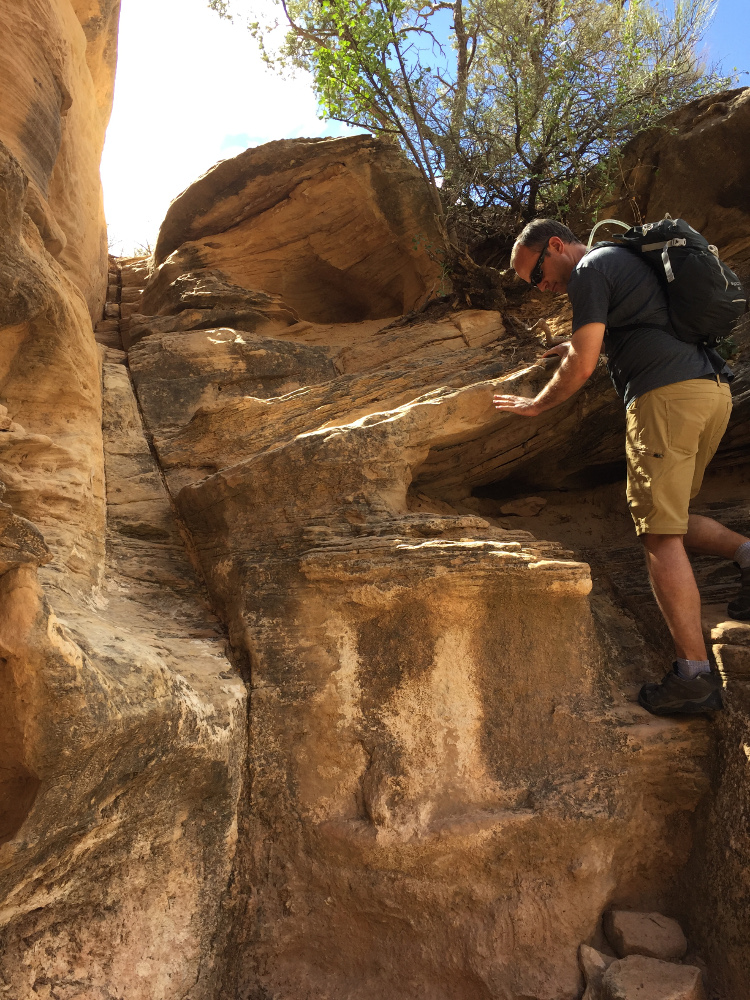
[[705, 297]]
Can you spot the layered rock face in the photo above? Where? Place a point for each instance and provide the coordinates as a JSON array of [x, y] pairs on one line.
[[57, 76], [450, 779], [294, 701], [342, 231], [122, 722]]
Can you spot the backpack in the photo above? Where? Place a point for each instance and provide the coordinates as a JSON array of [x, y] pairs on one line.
[[705, 298]]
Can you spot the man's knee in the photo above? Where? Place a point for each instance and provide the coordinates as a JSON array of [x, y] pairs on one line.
[[653, 542]]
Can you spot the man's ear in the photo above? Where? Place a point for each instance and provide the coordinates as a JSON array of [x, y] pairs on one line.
[[556, 244]]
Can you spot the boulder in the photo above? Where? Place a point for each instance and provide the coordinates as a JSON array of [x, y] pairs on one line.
[[641, 978], [593, 965], [341, 229], [649, 934]]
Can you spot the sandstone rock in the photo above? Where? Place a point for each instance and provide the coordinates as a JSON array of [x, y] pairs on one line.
[[339, 228], [438, 796], [107, 325], [135, 272], [128, 309], [136, 683], [123, 722], [593, 965], [131, 294], [480, 327], [57, 77], [49, 366], [339, 576], [649, 934], [527, 507], [693, 166], [21, 543], [640, 978]]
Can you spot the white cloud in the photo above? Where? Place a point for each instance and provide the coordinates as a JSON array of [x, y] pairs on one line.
[[191, 89]]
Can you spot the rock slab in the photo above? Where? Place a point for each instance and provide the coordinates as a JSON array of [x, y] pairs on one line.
[[649, 934], [641, 978]]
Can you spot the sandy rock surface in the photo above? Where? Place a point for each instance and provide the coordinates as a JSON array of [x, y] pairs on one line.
[[639, 978], [339, 228], [123, 721], [290, 707], [650, 934], [57, 76]]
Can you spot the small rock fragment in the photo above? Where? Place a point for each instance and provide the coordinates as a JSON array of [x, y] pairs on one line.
[[593, 965], [480, 327], [641, 978], [527, 507], [649, 934]]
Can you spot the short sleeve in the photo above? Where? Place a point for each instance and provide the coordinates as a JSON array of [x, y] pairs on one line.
[[590, 294]]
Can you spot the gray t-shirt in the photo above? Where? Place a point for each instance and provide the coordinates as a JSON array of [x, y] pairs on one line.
[[614, 286]]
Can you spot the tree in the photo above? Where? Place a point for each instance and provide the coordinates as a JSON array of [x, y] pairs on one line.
[[502, 104]]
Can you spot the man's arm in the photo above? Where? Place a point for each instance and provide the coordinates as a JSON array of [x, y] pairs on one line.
[[579, 356]]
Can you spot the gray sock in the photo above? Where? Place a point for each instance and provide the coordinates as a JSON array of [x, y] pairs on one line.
[[742, 555], [688, 669]]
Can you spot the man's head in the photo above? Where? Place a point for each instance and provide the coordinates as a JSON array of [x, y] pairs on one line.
[[545, 254]]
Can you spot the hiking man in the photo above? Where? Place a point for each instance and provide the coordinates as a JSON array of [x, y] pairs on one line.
[[678, 403]]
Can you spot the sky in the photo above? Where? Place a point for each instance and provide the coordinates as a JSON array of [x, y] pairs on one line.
[[191, 90]]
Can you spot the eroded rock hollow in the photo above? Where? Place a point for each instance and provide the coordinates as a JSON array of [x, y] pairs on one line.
[[318, 675]]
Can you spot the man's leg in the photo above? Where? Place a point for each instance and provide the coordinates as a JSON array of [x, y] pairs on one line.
[[671, 435], [676, 593], [706, 535], [691, 687]]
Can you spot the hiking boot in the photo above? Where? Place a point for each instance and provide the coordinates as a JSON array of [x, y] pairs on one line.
[[676, 696], [739, 608]]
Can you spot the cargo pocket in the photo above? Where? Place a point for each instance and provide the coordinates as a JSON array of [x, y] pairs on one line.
[[686, 420], [637, 451]]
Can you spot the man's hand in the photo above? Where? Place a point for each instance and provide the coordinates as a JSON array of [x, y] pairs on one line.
[[517, 404], [520, 404], [578, 360]]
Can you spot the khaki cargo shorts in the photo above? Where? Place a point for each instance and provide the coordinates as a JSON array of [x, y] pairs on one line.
[[672, 434]]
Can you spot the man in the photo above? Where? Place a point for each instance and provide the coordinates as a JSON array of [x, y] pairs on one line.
[[678, 405]]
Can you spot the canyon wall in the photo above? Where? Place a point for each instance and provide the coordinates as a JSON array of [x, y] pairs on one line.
[[302, 695], [122, 722]]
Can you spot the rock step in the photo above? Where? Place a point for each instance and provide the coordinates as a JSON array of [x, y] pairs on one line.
[[107, 330], [641, 978], [134, 274]]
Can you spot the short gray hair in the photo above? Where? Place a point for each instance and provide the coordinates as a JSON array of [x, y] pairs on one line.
[[539, 232]]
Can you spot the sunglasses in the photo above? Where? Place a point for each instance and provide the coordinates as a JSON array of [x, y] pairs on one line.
[[537, 271]]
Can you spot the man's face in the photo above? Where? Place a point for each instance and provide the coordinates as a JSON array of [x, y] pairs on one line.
[[557, 263]]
